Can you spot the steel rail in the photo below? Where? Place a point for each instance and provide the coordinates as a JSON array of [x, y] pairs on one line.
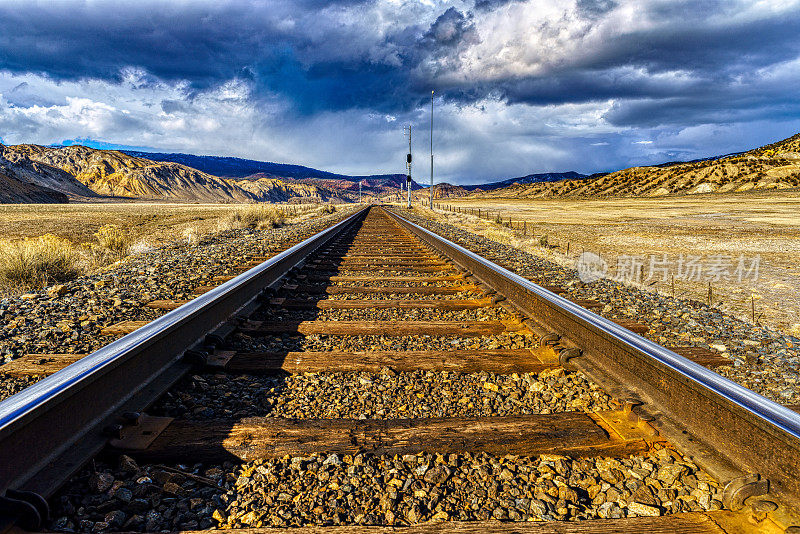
[[729, 429], [48, 430]]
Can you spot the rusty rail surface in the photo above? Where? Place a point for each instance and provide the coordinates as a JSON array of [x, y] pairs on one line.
[[748, 442]]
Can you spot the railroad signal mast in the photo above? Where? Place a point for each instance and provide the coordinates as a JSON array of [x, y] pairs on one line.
[[430, 200], [407, 131]]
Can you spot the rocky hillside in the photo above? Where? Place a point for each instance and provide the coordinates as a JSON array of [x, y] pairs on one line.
[[16, 191], [274, 190], [440, 191], [248, 169], [528, 179], [112, 173], [37, 176], [774, 166], [85, 172]]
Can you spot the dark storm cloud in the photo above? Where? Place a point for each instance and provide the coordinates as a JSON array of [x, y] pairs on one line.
[[488, 5], [315, 61], [595, 8], [321, 66], [688, 72], [71, 40], [450, 28]]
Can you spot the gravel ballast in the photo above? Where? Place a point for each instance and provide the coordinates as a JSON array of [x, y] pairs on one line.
[[384, 395], [762, 359], [368, 489], [68, 318]]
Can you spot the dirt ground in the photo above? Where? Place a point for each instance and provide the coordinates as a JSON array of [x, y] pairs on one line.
[[153, 223], [716, 230]]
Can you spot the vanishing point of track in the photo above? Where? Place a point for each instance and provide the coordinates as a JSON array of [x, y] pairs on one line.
[[371, 265]]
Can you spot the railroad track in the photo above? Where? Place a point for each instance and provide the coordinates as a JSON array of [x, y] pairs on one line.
[[421, 385]]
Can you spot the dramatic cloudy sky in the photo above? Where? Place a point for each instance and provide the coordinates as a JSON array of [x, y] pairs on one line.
[[521, 87]]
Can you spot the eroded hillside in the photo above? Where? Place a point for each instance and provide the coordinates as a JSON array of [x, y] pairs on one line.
[[775, 166], [83, 172]]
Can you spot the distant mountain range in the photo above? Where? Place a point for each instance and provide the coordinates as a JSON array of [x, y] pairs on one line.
[[33, 173], [248, 169], [528, 179], [227, 167]]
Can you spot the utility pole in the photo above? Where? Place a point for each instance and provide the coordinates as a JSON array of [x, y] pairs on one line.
[[359, 192], [430, 201], [408, 165]]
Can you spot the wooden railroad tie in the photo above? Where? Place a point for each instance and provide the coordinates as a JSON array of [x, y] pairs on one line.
[[344, 304], [569, 433], [378, 264], [386, 328], [377, 268], [378, 290], [166, 305], [199, 290], [122, 328], [633, 326], [499, 361], [316, 277], [379, 255]]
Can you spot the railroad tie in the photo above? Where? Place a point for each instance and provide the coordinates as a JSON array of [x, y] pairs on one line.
[[344, 304], [379, 290], [122, 328], [464, 361], [386, 328], [567, 433], [166, 305], [461, 361]]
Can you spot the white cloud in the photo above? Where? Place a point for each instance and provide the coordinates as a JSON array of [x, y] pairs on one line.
[[227, 121]]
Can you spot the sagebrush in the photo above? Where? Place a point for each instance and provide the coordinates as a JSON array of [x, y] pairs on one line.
[[255, 217], [112, 239], [36, 262]]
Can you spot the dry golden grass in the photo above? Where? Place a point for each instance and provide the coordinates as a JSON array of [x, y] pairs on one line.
[[150, 223], [113, 240], [752, 224], [154, 222], [35, 262], [253, 216], [46, 243]]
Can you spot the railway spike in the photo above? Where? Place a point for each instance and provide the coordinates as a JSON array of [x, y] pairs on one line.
[[496, 299], [214, 340], [131, 418], [549, 339], [738, 490], [113, 431], [195, 357], [29, 509], [565, 355]]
